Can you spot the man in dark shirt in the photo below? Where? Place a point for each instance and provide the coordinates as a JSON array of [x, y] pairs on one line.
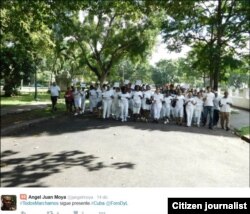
[[8, 203]]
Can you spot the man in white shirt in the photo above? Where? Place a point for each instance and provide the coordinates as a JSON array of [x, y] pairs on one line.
[[225, 104], [208, 107], [54, 92]]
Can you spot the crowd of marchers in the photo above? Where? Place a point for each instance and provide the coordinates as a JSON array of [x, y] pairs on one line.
[[138, 102]]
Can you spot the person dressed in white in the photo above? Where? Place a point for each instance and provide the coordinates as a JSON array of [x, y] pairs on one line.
[[54, 92], [99, 93], [107, 97], [115, 109], [124, 103], [157, 104], [198, 109], [225, 104], [77, 100], [83, 99], [179, 107], [167, 100], [189, 103], [208, 107], [137, 101], [147, 102], [92, 98]]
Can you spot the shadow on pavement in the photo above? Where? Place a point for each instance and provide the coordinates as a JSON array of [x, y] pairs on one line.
[[71, 124], [31, 170]]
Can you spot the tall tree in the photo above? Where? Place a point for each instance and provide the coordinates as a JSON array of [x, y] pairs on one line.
[[165, 71], [221, 25], [25, 37], [109, 31]]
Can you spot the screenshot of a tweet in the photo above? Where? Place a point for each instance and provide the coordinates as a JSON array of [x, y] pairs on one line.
[[124, 107], [122, 201]]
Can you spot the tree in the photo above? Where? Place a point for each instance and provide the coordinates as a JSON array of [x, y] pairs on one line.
[[165, 71], [25, 37], [221, 27], [16, 64], [128, 70], [108, 32]]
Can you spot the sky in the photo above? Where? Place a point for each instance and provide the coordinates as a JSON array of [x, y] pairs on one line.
[[160, 52]]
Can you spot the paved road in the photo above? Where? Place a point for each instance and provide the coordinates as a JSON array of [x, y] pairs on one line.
[[240, 118], [82, 152]]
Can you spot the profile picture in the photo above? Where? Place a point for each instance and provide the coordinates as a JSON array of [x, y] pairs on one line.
[[8, 202]]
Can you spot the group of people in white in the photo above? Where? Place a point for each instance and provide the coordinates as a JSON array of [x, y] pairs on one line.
[[140, 102]]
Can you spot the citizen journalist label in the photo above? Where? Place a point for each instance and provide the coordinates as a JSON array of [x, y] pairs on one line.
[[208, 205]]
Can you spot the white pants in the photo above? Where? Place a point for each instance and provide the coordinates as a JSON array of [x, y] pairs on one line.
[[115, 109], [166, 111], [157, 111], [136, 108], [92, 103], [78, 102], [197, 115], [83, 105], [189, 111], [145, 106], [106, 104], [172, 111], [124, 110], [179, 112]]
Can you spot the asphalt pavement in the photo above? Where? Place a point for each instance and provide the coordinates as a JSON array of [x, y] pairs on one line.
[[88, 152]]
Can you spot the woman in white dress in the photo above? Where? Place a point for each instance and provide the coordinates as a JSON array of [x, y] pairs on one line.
[[124, 97], [137, 102], [189, 104], [147, 102], [157, 104]]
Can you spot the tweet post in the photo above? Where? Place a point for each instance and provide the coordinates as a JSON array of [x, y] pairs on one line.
[[121, 201]]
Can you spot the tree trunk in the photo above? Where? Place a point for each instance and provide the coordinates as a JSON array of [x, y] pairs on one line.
[[204, 80], [8, 90], [217, 58], [102, 78]]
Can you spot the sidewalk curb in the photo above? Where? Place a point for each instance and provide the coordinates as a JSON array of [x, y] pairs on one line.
[[10, 129], [238, 135]]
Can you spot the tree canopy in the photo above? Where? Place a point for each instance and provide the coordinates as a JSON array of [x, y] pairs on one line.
[[108, 40], [220, 27]]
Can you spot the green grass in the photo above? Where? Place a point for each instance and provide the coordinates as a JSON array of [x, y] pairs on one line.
[[8, 120], [234, 112], [24, 99], [11, 102], [243, 131]]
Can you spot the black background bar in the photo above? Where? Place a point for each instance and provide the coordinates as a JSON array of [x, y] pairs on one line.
[[208, 205]]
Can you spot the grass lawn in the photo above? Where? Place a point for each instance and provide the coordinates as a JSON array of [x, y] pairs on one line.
[[244, 131], [13, 119], [24, 99]]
